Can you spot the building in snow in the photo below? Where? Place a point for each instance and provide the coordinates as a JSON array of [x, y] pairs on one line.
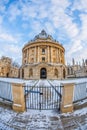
[[43, 57], [77, 70], [7, 69]]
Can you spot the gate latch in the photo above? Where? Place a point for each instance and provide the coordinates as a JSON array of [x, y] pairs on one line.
[[41, 93]]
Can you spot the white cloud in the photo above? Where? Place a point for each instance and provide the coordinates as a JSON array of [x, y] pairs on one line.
[[80, 5], [83, 32], [2, 5], [1, 20], [49, 27], [63, 3], [75, 47], [51, 15], [7, 37], [13, 49], [14, 11]]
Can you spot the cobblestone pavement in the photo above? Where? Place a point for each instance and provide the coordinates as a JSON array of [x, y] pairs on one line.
[[44, 120]]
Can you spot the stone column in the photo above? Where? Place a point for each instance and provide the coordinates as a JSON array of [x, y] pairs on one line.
[[35, 56], [63, 59], [51, 54], [60, 56], [67, 98], [18, 97], [48, 53], [57, 55], [29, 55], [38, 54], [22, 57]]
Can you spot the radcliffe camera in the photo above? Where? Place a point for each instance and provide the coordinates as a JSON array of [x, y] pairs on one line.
[[43, 65]]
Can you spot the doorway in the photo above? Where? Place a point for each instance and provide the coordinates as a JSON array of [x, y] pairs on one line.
[[43, 73]]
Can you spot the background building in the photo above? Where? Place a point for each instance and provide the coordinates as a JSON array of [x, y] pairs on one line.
[[43, 57], [7, 68], [77, 70]]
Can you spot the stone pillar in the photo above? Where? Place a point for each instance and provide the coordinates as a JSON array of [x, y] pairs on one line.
[[38, 54], [48, 53], [22, 57], [67, 98], [57, 55], [18, 97], [35, 56], [63, 59], [51, 55], [28, 55]]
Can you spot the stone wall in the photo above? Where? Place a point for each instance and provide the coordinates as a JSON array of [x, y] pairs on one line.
[[6, 68]]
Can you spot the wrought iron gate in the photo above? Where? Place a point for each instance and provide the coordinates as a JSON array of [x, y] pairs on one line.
[[43, 97]]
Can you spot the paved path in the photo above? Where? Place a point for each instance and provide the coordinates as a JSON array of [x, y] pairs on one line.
[[44, 120]]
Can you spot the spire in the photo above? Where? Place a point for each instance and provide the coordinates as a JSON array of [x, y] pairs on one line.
[[83, 63], [86, 61], [73, 62]]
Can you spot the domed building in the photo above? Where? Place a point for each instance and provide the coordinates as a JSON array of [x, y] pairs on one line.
[[43, 58]]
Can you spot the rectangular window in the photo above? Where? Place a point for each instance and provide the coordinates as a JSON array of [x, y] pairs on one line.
[[54, 60], [43, 51], [32, 51], [54, 52], [43, 59], [32, 60]]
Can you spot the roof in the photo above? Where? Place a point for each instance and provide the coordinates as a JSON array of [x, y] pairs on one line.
[[43, 35]]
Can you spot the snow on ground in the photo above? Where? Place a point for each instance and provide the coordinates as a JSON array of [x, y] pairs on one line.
[[80, 112], [17, 80], [43, 82], [74, 80], [12, 80], [82, 102], [42, 120]]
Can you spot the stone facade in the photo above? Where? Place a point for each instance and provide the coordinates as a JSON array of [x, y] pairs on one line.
[[7, 69], [43, 57], [77, 70]]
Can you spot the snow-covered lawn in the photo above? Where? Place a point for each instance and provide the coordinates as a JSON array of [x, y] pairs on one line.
[[42, 120], [41, 82], [45, 119]]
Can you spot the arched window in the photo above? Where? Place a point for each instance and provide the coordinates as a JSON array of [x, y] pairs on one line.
[[7, 74], [71, 70], [68, 71], [64, 73], [56, 72], [22, 73], [30, 72]]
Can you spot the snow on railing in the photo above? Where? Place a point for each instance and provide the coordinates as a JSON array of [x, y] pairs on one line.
[[80, 91], [5, 91]]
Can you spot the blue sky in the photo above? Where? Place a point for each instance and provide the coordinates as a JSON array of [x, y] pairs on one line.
[[65, 20]]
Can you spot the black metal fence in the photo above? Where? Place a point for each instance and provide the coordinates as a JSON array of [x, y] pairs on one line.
[[43, 97]]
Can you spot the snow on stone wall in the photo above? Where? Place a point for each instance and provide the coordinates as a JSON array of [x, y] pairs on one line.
[[80, 91], [5, 90]]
